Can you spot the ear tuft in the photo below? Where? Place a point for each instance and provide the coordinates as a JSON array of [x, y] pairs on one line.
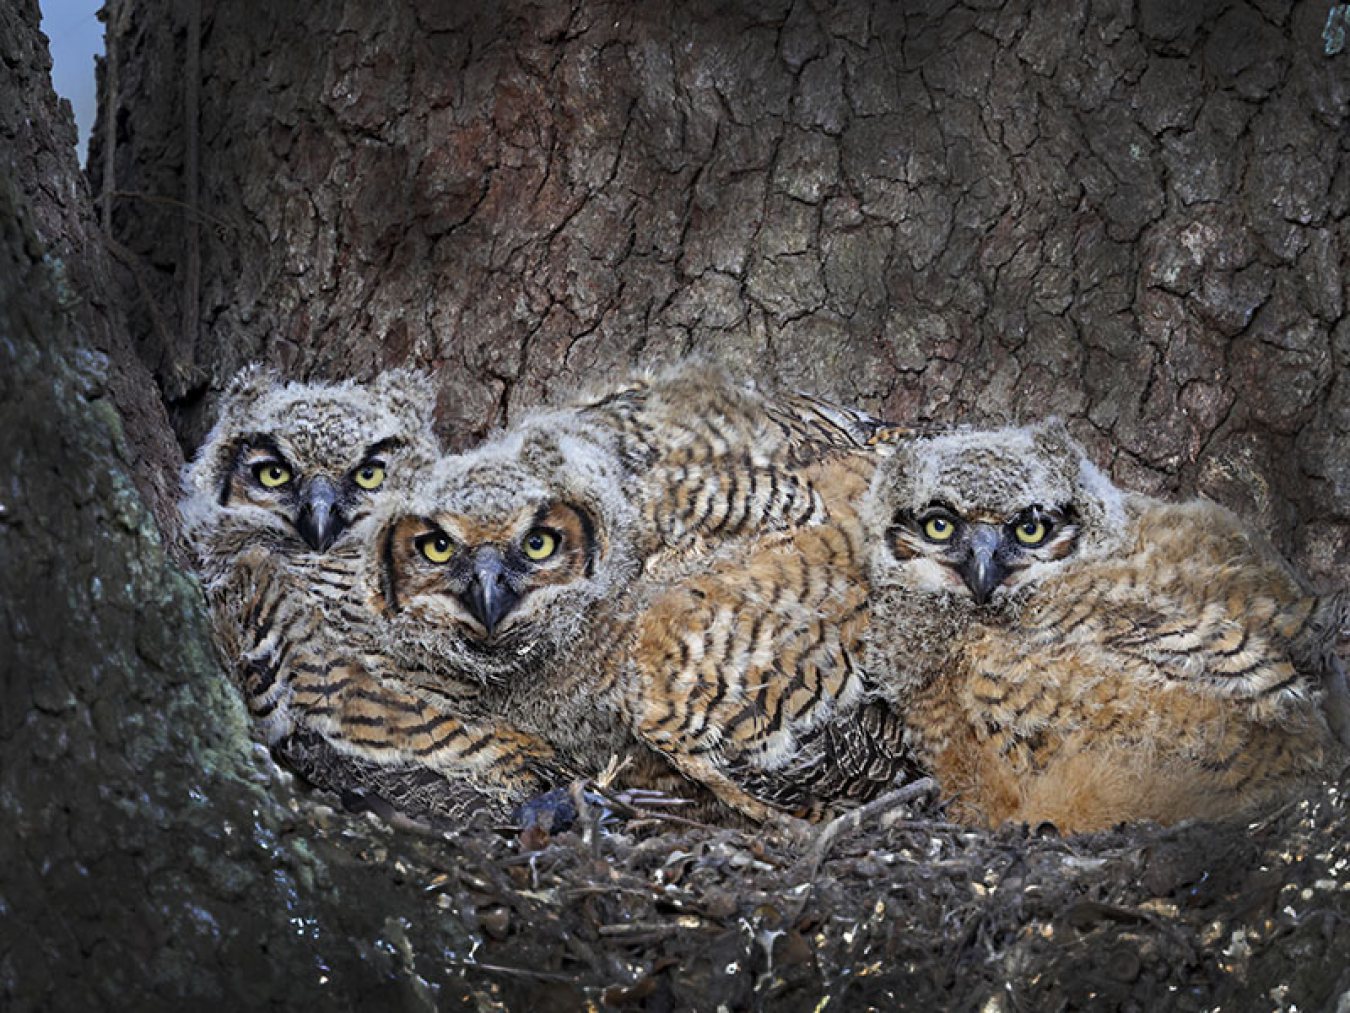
[[1052, 436], [410, 394], [249, 384]]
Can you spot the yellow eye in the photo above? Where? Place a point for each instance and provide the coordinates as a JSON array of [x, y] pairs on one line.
[[540, 544], [938, 529], [272, 474], [1030, 532], [369, 476], [436, 546]]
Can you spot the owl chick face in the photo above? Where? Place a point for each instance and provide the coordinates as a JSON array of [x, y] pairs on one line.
[[982, 517], [300, 463], [981, 552], [499, 565]]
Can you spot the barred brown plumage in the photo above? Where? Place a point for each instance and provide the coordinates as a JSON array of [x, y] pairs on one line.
[[748, 674], [1067, 652]]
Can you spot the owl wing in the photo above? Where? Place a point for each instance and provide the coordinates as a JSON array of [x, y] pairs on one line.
[[837, 765], [744, 676], [365, 708], [696, 414], [690, 509], [260, 614], [813, 426], [740, 507], [1207, 604], [1274, 652], [388, 788]]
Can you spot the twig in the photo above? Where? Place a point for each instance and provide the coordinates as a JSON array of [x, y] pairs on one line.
[[591, 839], [636, 813], [852, 820]]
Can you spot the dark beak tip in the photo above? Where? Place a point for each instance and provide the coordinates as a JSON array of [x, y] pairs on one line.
[[320, 533], [983, 586], [488, 598], [982, 573]]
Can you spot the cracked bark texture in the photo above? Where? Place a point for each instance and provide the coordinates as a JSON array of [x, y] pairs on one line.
[[1131, 214]]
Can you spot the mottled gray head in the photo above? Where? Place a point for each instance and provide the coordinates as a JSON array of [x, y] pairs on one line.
[[296, 464], [983, 515], [500, 561]]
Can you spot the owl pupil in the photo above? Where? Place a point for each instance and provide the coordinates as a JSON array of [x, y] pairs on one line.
[[536, 542], [274, 473]]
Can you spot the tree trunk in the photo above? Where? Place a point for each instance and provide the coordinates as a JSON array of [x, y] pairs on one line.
[[1134, 215]]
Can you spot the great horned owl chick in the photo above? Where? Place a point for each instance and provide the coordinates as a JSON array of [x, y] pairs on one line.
[[657, 571], [276, 500], [1063, 651]]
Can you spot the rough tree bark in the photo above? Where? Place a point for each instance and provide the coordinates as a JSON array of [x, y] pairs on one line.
[[1132, 214]]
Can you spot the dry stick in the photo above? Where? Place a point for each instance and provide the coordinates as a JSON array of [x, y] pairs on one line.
[[516, 972], [850, 821], [635, 811]]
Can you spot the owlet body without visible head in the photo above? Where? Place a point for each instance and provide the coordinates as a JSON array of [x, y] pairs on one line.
[[1064, 651], [625, 577], [276, 503]]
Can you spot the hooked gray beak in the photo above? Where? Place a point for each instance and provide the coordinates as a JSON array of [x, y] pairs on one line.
[[320, 520], [489, 597], [981, 568]]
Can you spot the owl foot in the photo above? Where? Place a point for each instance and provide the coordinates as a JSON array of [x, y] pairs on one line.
[[547, 815]]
